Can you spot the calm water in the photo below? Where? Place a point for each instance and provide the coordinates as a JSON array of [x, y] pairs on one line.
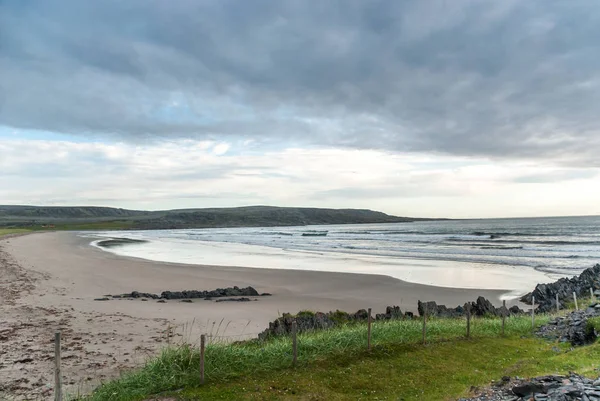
[[518, 251]]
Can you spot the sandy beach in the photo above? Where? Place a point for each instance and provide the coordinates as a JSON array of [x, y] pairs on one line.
[[49, 281]]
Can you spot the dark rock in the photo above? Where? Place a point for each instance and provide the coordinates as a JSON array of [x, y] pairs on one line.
[[515, 310], [192, 294], [481, 307], [189, 301], [391, 312], [545, 294], [136, 295], [305, 321], [308, 321], [573, 328], [265, 294], [161, 301], [528, 389], [235, 300], [218, 293], [361, 314], [547, 388], [102, 299]]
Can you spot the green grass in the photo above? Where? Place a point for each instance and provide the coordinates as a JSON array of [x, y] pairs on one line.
[[100, 225], [8, 231], [335, 365]]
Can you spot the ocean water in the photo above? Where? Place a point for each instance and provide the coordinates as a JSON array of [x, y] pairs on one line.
[[511, 254]]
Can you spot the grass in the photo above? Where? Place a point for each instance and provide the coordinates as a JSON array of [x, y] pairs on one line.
[[334, 364], [100, 225], [8, 231]]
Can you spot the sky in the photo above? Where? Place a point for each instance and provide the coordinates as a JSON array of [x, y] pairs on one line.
[[432, 108]]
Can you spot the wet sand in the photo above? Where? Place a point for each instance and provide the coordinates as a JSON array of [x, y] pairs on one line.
[[48, 282]]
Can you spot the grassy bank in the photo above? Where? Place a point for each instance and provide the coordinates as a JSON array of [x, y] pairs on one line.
[[8, 231], [335, 364]]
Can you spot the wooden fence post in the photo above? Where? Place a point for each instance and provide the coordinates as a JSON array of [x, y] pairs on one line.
[[369, 330], [504, 310], [468, 320], [294, 342], [57, 372], [532, 313], [425, 325], [202, 346], [557, 304], [575, 299]]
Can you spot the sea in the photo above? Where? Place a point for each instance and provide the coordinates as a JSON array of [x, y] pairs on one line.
[[506, 254]]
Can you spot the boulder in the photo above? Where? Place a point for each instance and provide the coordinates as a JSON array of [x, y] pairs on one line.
[[305, 321], [391, 312], [361, 314]]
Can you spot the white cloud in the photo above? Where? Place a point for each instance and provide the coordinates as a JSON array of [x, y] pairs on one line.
[[191, 173], [221, 149]]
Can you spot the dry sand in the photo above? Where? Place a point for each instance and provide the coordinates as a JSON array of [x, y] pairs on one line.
[[48, 282]]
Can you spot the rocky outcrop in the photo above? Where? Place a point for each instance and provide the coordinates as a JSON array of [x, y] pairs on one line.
[[309, 321], [243, 299], [391, 312], [191, 294], [546, 388], [574, 328], [219, 292], [481, 307], [305, 321], [545, 294]]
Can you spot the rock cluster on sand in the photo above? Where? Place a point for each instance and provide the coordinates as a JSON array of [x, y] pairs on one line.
[[191, 294], [545, 294], [574, 328], [481, 307], [544, 388]]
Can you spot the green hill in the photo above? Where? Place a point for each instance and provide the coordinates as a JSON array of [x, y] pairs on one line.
[[82, 217]]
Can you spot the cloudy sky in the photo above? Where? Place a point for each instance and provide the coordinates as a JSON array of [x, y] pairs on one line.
[[455, 108]]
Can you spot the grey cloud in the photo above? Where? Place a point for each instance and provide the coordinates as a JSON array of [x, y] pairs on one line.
[[465, 77]]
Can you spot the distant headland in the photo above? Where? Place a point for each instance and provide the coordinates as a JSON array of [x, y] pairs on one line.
[[91, 217]]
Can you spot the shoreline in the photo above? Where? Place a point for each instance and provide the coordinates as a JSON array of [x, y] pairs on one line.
[[53, 279], [515, 280]]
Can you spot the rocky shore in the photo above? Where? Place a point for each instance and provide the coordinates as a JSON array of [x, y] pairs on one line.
[[545, 294], [189, 294]]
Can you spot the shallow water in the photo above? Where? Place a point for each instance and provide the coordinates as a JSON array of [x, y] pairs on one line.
[[512, 254]]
